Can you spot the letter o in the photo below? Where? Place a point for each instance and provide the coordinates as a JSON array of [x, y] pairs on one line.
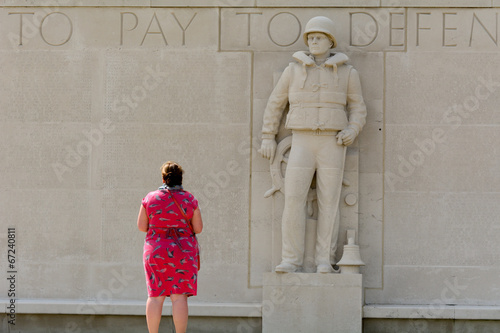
[[269, 29], [70, 29]]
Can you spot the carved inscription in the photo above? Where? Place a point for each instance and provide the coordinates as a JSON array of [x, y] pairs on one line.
[[466, 29], [393, 29], [272, 26], [377, 29], [390, 29], [69, 28], [149, 32], [368, 33], [419, 27], [249, 24], [64, 26], [446, 28], [466, 26], [284, 28], [184, 28], [21, 25], [35, 87], [122, 27], [476, 19], [129, 21]]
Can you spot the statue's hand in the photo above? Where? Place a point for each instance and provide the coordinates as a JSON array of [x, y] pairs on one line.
[[268, 149], [346, 136]]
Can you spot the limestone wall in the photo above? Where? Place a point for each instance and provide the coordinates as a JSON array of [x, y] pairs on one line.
[[96, 95]]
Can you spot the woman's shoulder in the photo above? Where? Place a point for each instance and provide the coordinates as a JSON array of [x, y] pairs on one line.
[[153, 195], [186, 195]]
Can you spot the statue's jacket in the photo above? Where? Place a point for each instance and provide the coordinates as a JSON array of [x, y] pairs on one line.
[[323, 98]]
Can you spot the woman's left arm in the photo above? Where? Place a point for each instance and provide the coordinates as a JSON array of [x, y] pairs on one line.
[[196, 221], [143, 220]]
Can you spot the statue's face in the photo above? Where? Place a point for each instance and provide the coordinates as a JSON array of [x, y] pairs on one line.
[[319, 43]]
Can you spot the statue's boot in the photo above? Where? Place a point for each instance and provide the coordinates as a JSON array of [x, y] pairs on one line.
[[286, 267]]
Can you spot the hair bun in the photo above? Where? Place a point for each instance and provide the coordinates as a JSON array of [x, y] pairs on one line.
[[172, 173]]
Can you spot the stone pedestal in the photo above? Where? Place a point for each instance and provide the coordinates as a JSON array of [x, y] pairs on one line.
[[312, 302]]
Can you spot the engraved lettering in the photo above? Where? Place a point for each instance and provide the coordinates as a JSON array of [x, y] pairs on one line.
[[154, 18], [122, 25], [391, 28], [420, 28], [183, 29], [31, 25], [298, 32], [474, 18], [70, 33], [249, 24], [38, 17], [21, 25], [445, 28], [366, 26]]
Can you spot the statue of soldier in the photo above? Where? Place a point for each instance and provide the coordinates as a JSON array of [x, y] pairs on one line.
[[326, 114]]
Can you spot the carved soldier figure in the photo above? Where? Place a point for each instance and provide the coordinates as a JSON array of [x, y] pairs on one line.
[[327, 112]]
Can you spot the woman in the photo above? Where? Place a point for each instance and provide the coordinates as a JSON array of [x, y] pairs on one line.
[[170, 249]]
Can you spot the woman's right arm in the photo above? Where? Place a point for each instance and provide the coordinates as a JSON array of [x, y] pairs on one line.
[[196, 221], [143, 220]]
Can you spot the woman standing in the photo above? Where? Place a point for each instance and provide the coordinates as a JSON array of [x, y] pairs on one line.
[[170, 248]]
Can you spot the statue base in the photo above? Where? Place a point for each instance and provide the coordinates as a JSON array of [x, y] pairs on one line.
[[312, 302]]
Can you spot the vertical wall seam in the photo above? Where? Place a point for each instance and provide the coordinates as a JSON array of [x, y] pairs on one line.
[[250, 173]]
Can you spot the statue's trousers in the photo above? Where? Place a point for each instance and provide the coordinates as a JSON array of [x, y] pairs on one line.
[[312, 151]]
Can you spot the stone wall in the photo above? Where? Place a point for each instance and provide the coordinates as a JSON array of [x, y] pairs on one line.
[[96, 95]]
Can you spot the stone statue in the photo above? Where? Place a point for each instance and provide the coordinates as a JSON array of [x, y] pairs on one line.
[[327, 112]]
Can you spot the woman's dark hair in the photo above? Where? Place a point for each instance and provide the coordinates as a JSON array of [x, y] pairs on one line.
[[172, 173]]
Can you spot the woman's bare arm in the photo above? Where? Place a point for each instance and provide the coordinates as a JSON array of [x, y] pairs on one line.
[[197, 221], [143, 220]]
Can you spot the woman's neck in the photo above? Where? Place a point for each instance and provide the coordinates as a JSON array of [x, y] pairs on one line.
[[175, 187]]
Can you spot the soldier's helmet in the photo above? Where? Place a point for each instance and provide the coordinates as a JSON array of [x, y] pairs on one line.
[[320, 24]]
